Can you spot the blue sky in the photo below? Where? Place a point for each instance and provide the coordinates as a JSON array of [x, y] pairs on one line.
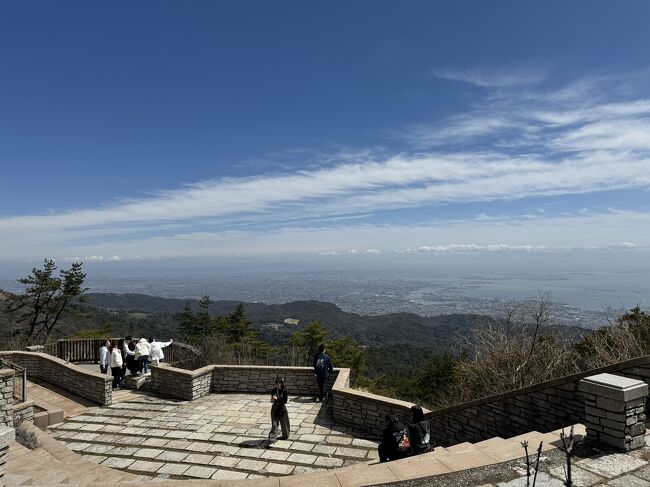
[[160, 130]]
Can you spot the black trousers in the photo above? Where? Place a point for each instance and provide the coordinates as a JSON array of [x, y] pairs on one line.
[[321, 387], [116, 372], [280, 419]]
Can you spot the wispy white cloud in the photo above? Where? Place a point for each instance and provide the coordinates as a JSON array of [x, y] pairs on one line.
[[522, 141], [495, 78]]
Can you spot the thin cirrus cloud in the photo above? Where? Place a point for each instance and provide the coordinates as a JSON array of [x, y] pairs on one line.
[[520, 141]]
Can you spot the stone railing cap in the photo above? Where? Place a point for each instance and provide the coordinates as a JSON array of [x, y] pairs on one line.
[[615, 381], [614, 387]]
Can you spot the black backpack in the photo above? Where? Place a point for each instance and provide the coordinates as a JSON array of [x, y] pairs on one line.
[[420, 436], [402, 440]]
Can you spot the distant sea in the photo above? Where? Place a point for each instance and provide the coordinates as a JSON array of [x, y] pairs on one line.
[[584, 286]]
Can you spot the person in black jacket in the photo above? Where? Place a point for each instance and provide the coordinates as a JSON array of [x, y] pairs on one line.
[[419, 431], [322, 368], [279, 413], [396, 443]]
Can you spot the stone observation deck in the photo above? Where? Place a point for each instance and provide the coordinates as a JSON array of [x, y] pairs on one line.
[[217, 436], [208, 426]]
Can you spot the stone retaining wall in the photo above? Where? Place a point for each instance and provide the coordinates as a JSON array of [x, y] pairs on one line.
[[6, 397], [181, 383], [23, 412], [6, 418], [192, 384], [7, 436], [253, 378], [84, 383], [542, 407], [363, 410]]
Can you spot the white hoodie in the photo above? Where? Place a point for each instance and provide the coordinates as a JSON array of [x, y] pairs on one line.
[[103, 356], [156, 349], [142, 348], [116, 358]]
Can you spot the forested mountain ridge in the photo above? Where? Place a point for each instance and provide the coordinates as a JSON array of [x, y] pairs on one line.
[[438, 332]]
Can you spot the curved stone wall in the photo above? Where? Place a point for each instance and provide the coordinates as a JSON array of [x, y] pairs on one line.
[[84, 383]]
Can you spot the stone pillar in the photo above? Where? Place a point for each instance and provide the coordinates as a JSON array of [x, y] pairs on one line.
[[615, 410], [6, 418]]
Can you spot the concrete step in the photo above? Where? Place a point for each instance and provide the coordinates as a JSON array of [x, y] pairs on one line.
[[462, 448], [137, 382]]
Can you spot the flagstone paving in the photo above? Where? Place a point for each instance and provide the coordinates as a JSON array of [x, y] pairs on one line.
[[218, 436]]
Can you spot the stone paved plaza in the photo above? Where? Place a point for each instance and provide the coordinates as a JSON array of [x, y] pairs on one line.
[[218, 436]]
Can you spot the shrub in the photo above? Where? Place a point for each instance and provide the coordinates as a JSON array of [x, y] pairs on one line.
[[26, 438]]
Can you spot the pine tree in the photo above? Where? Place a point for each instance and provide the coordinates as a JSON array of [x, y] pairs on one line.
[[238, 327], [203, 325], [313, 335], [187, 321], [46, 297]]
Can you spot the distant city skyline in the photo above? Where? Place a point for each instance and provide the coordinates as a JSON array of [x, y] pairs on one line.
[[164, 130]]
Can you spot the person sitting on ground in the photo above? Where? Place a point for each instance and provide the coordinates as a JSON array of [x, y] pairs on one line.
[[104, 357], [322, 368], [157, 354], [116, 364], [396, 443], [142, 352], [279, 413], [419, 431]]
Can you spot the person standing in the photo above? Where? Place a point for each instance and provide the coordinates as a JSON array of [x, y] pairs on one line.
[[116, 364], [322, 368], [142, 352], [129, 352], [279, 413], [104, 357], [156, 350]]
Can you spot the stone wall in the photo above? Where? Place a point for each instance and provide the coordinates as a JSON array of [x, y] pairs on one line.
[[180, 383], [253, 378], [7, 436], [6, 397], [542, 407], [363, 410], [192, 384], [23, 412], [84, 383], [6, 418]]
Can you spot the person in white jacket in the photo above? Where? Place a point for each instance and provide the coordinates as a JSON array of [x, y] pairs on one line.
[[142, 352], [156, 350], [116, 364], [104, 358]]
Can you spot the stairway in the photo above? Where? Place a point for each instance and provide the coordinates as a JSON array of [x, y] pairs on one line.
[[52, 464], [464, 456]]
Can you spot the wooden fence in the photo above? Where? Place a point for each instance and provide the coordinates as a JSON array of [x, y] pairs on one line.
[[87, 350]]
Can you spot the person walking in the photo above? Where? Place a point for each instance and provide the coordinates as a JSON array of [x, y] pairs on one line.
[[322, 368], [279, 413], [104, 358], [142, 352], [116, 364], [157, 354]]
